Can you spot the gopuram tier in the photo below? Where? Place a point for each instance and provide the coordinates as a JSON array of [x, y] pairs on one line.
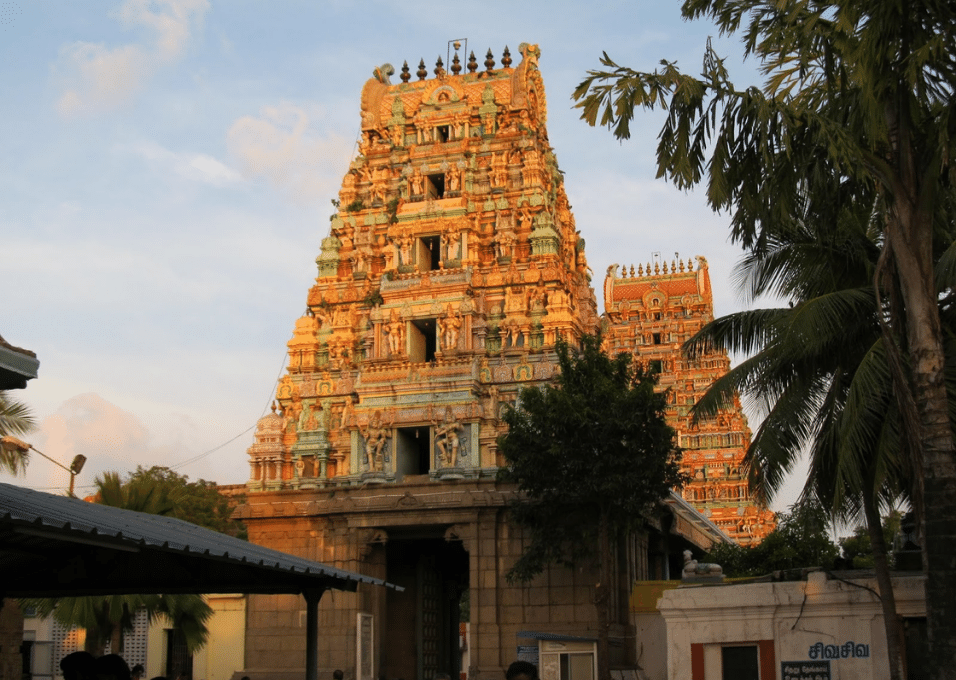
[[452, 267], [651, 313]]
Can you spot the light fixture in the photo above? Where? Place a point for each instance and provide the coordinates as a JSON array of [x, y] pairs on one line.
[[12, 445]]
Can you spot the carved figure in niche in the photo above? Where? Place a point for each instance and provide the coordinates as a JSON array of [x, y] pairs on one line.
[[347, 194], [527, 219], [538, 297], [336, 354], [499, 170], [449, 326], [380, 184], [531, 167], [365, 174], [451, 238], [308, 420], [395, 330], [387, 248], [365, 145], [299, 468], [359, 261], [514, 301], [476, 221], [376, 438], [405, 242], [345, 236], [398, 135], [558, 299], [447, 440], [504, 220], [490, 407], [417, 183], [583, 267], [563, 210], [505, 244], [454, 178], [509, 125], [347, 412]]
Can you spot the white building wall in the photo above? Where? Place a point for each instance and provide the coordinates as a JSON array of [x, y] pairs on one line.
[[805, 620]]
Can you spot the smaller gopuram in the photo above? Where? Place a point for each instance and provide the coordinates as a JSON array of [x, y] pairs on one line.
[[651, 312]]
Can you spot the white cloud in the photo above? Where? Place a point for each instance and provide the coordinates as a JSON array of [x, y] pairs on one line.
[[116, 440], [98, 78], [208, 169], [193, 166], [102, 78], [278, 145], [171, 22]]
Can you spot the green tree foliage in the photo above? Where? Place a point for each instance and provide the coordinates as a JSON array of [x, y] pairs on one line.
[[107, 619], [595, 444], [160, 491], [799, 541], [857, 108], [857, 549], [591, 454], [819, 367], [15, 419]]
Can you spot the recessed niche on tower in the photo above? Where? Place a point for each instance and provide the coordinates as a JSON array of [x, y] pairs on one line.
[[435, 186], [421, 340], [412, 447], [429, 253]]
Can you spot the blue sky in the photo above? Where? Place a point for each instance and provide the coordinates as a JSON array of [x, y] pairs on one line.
[[166, 177]]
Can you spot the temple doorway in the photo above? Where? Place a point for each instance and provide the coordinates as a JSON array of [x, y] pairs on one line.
[[421, 633]]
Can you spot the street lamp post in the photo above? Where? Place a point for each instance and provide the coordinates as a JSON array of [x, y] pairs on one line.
[[12, 444]]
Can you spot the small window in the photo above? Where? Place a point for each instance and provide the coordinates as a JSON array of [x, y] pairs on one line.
[[429, 253], [739, 663], [411, 451], [657, 316], [442, 133], [579, 666], [657, 338], [434, 186], [422, 340], [656, 366]]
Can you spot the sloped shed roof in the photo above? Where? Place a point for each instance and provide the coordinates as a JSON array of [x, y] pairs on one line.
[[53, 546], [17, 365]]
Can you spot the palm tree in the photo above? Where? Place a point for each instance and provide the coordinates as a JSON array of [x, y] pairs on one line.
[[858, 89], [15, 419], [821, 372], [109, 618]]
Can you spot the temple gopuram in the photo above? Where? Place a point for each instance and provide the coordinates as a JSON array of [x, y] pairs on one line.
[[651, 314], [451, 268]]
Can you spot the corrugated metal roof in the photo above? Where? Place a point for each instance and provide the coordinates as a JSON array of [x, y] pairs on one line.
[[17, 365], [693, 516], [73, 544]]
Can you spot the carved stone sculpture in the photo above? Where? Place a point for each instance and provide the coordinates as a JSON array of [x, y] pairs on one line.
[[376, 438], [447, 440], [694, 569]]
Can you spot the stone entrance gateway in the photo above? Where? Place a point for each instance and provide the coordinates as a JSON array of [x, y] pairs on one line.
[[436, 541], [420, 636]]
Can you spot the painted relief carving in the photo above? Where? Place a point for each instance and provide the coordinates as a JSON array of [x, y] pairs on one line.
[[395, 332], [450, 326], [447, 439], [376, 435]]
